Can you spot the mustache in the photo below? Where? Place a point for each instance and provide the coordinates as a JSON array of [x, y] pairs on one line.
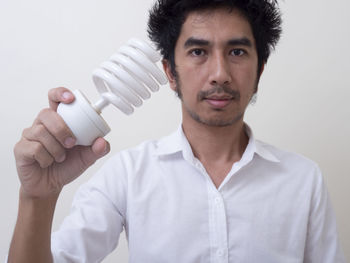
[[218, 89]]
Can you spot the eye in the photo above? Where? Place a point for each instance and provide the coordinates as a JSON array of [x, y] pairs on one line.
[[237, 52], [197, 52]]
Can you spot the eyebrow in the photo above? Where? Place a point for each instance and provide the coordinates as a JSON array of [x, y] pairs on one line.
[[232, 42], [195, 42], [240, 42]]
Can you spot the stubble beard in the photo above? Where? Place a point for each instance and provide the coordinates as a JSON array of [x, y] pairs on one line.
[[213, 122]]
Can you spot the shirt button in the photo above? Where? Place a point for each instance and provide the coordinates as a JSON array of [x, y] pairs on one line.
[[217, 200], [220, 252]]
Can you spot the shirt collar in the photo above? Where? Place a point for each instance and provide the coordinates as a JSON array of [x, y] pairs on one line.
[[177, 142], [173, 143], [257, 147]]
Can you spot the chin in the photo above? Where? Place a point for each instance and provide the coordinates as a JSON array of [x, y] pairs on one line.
[[218, 122]]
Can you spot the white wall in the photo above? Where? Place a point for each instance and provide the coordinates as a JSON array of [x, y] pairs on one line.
[[302, 104]]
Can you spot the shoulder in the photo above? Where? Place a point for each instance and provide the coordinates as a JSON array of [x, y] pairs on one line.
[[298, 173], [289, 158], [294, 167]]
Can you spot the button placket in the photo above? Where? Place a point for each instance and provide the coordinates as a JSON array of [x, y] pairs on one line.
[[218, 226], [220, 253]]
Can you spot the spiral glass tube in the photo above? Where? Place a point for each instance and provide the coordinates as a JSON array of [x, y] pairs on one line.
[[126, 78]]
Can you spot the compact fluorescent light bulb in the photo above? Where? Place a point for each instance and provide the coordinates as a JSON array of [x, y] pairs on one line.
[[124, 81]]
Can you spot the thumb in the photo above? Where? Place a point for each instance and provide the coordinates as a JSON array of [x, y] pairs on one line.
[[98, 149], [80, 158]]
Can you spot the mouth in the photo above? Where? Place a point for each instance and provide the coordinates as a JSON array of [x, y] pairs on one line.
[[219, 97], [219, 102]]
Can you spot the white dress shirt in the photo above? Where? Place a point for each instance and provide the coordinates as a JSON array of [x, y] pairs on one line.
[[272, 207]]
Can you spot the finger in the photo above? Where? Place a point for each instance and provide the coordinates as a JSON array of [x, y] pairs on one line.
[[40, 134], [58, 95], [28, 152], [97, 150], [100, 147], [57, 127]]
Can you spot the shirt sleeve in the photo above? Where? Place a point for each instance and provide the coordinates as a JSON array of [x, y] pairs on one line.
[[322, 243], [97, 217]]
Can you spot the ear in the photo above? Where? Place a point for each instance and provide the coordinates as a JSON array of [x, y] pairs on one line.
[[169, 74], [262, 69], [260, 73]]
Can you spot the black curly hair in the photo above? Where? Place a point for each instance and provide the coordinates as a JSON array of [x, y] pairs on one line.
[[167, 17]]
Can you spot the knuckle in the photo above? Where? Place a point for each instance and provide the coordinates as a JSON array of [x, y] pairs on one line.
[[25, 132], [58, 152], [40, 154], [37, 148], [60, 126], [17, 147], [52, 122], [44, 112], [38, 131], [54, 91], [45, 164], [60, 130]]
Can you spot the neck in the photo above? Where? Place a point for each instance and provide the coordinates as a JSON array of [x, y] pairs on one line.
[[212, 144]]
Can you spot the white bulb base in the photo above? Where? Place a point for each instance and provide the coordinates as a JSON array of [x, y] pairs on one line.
[[83, 120]]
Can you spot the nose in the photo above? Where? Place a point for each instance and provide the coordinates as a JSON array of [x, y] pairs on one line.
[[219, 71]]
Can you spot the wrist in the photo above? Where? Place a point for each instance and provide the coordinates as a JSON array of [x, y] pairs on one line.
[[28, 196], [45, 203]]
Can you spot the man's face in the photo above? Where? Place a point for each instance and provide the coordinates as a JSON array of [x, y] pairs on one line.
[[216, 64]]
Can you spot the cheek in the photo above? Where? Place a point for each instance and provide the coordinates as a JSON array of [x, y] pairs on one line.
[[245, 76], [192, 77], [189, 71]]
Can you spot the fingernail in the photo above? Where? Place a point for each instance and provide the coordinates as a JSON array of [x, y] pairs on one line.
[[67, 95], [69, 142], [106, 149]]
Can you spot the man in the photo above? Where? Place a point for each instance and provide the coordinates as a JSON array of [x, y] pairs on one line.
[[207, 193]]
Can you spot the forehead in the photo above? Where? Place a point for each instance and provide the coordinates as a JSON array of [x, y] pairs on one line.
[[216, 25]]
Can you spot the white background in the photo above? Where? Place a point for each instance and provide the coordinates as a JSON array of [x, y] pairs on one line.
[[303, 102]]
